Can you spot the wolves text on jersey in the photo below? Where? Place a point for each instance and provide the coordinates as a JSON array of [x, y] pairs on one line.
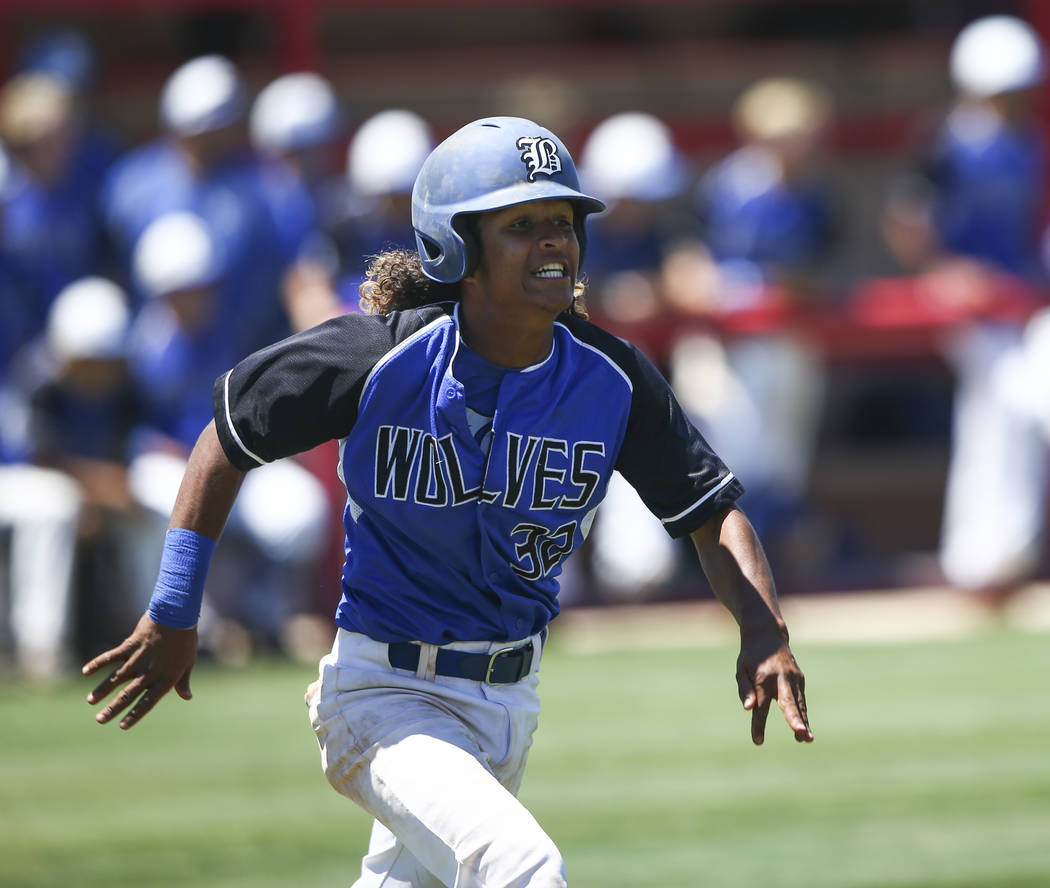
[[549, 473]]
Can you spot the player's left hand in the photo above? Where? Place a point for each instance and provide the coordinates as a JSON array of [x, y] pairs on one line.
[[151, 661], [766, 670]]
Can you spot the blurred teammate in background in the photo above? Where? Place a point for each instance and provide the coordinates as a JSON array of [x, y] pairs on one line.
[[631, 160], [767, 224], [297, 125], [202, 164], [49, 235], [367, 212], [298, 120], [41, 505], [83, 413], [52, 229], [967, 223], [69, 57], [69, 486], [179, 345], [382, 160], [20, 311]]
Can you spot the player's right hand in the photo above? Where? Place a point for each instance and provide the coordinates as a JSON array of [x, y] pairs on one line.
[[151, 661]]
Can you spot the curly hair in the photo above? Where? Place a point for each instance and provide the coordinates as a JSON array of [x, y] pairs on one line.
[[395, 281]]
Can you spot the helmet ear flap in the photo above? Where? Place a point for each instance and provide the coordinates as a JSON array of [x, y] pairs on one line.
[[466, 226], [444, 258], [429, 248]]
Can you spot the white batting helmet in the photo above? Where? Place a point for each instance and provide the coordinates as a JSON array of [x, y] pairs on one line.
[[203, 95], [997, 54], [387, 152], [175, 252], [632, 155], [88, 319], [295, 111], [489, 164]]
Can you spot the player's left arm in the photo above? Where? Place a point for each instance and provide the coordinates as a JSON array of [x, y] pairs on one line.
[[736, 566]]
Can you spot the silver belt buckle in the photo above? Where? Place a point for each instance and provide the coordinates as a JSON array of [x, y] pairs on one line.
[[492, 662]]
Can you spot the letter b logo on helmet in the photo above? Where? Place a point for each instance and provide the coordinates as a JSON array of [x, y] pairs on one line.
[[487, 165], [540, 156]]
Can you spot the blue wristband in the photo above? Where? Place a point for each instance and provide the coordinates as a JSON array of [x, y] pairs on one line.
[[177, 597]]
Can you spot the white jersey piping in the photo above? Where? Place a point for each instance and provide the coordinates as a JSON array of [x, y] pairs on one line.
[[700, 501], [229, 420], [599, 352], [422, 331]]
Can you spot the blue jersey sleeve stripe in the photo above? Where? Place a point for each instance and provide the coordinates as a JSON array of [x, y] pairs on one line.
[[229, 421], [600, 353], [726, 480], [400, 347]]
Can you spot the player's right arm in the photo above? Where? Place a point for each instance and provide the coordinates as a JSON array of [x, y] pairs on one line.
[[155, 657], [284, 399]]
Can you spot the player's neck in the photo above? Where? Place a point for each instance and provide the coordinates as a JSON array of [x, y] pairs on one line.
[[506, 340]]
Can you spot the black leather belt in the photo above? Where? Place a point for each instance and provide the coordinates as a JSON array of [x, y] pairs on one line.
[[504, 666]]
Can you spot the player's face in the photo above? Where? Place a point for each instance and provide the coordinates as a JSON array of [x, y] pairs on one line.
[[529, 255]]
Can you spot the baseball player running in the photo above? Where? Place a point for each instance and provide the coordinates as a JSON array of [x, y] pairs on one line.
[[480, 417]]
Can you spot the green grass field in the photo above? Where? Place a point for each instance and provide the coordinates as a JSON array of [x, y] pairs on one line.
[[931, 768]]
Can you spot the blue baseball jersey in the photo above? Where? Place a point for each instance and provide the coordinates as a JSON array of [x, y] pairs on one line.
[[55, 234], [611, 250], [447, 538], [749, 213], [360, 236], [238, 204], [174, 368], [67, 422], [987, 181]]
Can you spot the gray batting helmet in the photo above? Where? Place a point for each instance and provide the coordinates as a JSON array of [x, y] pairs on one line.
[[489, 164]]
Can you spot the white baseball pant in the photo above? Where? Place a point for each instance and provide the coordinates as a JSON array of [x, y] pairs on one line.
[[42, 507], [993, 526], [437, 761]]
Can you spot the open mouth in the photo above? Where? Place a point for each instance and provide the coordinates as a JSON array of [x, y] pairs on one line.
[[552, 271]]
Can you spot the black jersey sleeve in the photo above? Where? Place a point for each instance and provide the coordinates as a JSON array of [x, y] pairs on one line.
[[666, 459], [304, 390]]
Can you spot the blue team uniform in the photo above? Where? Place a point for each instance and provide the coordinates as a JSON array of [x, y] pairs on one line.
[[748, 215], [175, 369], [610, 250], [233, 200], [68, 423], [292, 205], [55, 235], [987, 192], [357, 239], [453, 535], [22, 317]]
